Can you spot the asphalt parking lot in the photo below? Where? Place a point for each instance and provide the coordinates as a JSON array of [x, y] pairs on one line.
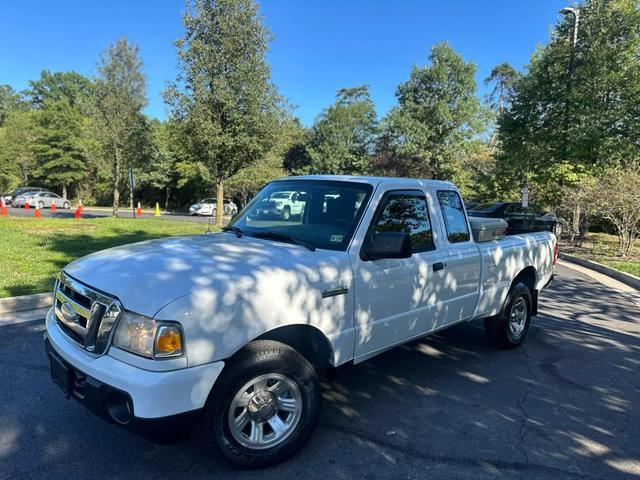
[[563, 406], [92, 213]]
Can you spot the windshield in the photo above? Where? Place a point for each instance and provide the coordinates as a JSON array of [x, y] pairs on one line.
[[323, 214]]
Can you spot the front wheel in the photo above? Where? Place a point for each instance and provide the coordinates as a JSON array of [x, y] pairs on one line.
[[41, 205], [66, 205], [264, 406], [510, 326]]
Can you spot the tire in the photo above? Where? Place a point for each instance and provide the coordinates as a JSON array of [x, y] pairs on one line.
[[41, 205], [278, 367], [501, 331], [66, 205], [286, 213]]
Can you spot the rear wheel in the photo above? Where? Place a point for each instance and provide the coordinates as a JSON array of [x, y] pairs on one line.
[[264, 406], [510, 326], [40, 205], [66, 205]]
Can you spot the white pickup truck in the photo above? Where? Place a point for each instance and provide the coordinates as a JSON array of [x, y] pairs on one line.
[[229, 329]]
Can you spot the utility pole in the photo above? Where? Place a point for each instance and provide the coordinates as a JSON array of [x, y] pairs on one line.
[[575, 12]]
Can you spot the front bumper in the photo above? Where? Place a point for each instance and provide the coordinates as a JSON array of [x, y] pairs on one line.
[[151, 403]]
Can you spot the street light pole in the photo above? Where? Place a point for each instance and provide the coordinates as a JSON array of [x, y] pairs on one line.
[[574, 38], [575, 12]]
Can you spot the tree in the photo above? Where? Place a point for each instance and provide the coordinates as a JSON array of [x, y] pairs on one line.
[[503, 77], [617, 199], [161, 172], [563, 125], [119, 95], [57, 146], [71, 87], [437, 117], [244, 184], [224, 97], [296, 158], [10, 101], [17, 156], [342, 138]]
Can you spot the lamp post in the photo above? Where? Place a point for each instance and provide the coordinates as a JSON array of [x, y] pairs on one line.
[[576, 19], [575, 12]]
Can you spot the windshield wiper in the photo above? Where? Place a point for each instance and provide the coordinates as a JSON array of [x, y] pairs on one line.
[[231, 228], [284, 237]]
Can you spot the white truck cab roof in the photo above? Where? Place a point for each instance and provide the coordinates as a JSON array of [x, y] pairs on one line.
[[375, 181]]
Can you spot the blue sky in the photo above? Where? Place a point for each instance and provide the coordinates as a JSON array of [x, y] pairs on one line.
[[319, 46]]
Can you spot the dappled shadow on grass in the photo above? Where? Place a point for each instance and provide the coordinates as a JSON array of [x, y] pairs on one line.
[[69, 245]]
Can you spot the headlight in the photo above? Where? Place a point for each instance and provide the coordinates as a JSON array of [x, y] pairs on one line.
[[147, 337], [279, 204]]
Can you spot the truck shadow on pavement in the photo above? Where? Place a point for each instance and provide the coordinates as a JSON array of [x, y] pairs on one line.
[[564, 405]]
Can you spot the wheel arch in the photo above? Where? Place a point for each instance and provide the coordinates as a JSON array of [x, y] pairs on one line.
[[529, 277], [307, 340]]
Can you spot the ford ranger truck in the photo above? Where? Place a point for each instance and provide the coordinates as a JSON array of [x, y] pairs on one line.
[[229, 329]]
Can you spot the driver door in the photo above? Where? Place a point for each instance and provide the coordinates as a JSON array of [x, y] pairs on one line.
[[396, 299]]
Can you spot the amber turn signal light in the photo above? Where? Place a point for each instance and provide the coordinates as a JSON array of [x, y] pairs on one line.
[[168, 342]]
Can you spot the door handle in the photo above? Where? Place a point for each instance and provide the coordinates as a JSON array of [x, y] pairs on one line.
[[439, 266]]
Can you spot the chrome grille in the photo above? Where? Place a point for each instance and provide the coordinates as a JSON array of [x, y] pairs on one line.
[[84, 314]]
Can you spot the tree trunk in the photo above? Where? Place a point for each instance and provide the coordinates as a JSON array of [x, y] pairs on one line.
[[64, 192], [575, 227], [166, 198], [219, 202], [116, 183]]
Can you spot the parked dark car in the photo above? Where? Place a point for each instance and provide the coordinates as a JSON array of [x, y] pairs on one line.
[[520, 219]]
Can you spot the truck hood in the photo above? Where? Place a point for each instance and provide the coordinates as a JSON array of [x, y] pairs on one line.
[[148, 275]]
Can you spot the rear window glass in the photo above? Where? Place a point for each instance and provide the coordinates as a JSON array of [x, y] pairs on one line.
[[454, 218]]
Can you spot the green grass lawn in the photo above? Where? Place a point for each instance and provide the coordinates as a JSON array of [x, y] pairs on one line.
[[33, 251], [602, 248]]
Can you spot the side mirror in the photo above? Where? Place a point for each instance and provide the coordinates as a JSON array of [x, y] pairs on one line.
[[387, 245]]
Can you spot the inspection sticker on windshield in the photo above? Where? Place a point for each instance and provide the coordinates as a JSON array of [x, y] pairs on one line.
[[336, 238]]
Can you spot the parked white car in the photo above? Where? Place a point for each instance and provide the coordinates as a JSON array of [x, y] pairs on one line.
[[10, 197], [41, 200], [228, 329], [207, 207]]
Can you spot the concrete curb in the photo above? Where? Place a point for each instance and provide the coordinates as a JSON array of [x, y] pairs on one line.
[[626, 278], [25, 302]]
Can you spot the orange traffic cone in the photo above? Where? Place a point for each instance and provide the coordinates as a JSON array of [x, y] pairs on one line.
[[139, 210], [26, 205], [3, 208], [53, 207], [78, 210], [36, 213]]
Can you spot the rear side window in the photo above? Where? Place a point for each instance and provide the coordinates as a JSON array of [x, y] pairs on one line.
[[454, 218], [406, 212]]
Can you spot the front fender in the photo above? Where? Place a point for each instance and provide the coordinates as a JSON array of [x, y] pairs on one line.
[[220, 318]]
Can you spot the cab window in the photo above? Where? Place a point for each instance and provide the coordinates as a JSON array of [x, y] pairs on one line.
[[406, 212], [455, 219]]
